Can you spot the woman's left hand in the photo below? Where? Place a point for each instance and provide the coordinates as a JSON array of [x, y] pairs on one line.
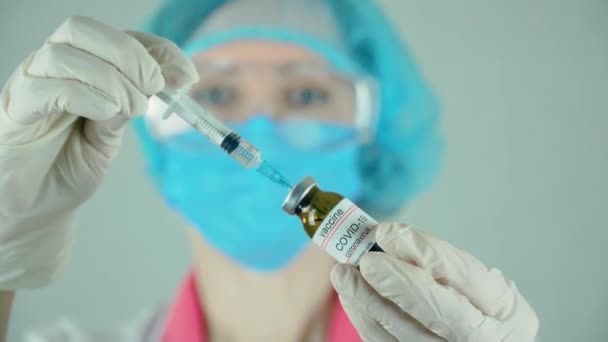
[[424, 289]]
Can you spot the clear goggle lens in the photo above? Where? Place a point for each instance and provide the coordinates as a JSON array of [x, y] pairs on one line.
[[303, 101]]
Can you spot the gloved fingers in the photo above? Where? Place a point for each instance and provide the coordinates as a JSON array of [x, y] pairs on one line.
[[88, 152], [37, 99], [61, 61], [521, 325], [375, 317], [101, 141], [177, 69], [115, 47], [368, 328], [439, 308], [486, 288], [494, 330]]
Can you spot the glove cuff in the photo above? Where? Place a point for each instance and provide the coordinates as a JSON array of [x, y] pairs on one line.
[[33, 254]]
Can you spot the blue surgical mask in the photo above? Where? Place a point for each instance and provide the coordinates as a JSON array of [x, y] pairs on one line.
[[237, 210]]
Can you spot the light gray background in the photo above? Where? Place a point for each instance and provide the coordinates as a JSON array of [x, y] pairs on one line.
[[524, 89]]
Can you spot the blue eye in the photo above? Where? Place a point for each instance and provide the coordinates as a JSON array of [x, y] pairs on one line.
[[307, 97], [215, 96]]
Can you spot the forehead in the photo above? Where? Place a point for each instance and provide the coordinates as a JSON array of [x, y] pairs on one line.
[[259, 51]]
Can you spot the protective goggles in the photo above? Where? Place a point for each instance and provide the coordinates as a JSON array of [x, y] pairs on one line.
[[302, 100]]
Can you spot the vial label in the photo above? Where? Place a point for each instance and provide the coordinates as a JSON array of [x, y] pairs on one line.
[[346, 233]]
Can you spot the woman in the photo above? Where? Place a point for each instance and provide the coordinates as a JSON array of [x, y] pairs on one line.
[[323, 88]]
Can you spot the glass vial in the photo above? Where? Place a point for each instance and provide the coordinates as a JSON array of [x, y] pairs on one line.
[[333, 222]]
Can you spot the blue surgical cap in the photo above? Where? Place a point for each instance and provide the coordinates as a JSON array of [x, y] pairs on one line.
[[405, 155]]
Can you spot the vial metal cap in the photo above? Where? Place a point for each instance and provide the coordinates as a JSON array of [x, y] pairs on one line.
[[297, 194]]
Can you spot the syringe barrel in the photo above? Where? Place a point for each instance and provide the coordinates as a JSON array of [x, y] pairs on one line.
[[181, 104], [247, 155], [216, 131]]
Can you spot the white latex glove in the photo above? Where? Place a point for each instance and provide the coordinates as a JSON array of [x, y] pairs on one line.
[[424, 289], [62, 117]]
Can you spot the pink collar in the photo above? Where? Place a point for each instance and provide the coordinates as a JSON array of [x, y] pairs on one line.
[[185, 322]]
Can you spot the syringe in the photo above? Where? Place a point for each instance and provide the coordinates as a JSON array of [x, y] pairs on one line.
[[218, 133]]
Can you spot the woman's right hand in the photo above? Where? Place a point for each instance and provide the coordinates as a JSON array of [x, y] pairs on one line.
[[62, 116]]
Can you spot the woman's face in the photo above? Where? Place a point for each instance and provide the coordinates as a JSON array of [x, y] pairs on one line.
[[311, 131], [245, 78]]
